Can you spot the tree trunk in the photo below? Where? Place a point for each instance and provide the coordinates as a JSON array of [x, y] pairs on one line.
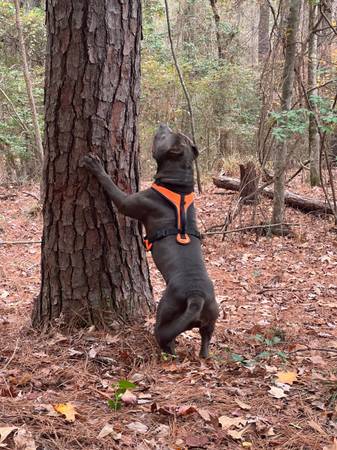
[[312, 86], [263, 42], [38, 140], [306, 204], [93, 267], [249, 182], [287, 89], [219, 33]]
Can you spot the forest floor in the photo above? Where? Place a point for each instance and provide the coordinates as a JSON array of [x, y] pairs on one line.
[[271, 381]]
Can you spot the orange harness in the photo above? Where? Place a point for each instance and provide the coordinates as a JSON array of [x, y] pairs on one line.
[[181, 203]]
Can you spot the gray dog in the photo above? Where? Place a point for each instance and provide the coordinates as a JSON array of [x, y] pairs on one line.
[[168, 215]]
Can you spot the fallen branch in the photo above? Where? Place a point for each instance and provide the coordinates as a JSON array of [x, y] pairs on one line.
[[317, 349], [31, 194], [252, 227], [293, 200], [19, 242]]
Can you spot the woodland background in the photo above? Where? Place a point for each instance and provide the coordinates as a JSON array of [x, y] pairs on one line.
[[272, 379], [230, 53]]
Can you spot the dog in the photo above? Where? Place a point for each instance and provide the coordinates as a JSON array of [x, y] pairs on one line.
[[167, 212]]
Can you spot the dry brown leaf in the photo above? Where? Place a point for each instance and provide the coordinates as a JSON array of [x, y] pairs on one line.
[[286, 377], [237, 434], [276, 392], [5, 432], [129, 398], [186, 410], [243, 405], [333, 446], [196, 441], [24, 440], [67, 410], [205, 414], [317, 427], [317, 359], [138, 427], [227, 422], [109, 430]]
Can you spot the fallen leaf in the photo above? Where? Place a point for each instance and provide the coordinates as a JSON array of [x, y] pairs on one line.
[[186, 410], [129, 398], [247, 444], [333, 446], [67, 410], [204, 414], [24, 440], [317, 359], [109, 430], [237, 434], [5, 432], [196, 441], [242, 404], [317, 427], [227, 422], [276, 392], [138, 427], [162, 430], [286, 377]]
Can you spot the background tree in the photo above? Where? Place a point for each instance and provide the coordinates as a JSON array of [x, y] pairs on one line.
[[93, 262], [287, 90], [313, 137]]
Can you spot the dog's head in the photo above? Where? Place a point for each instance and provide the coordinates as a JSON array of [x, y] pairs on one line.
[[174, 153], [168, 145]]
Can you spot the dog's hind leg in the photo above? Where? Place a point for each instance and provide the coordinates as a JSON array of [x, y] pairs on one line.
[[206, 333], [167, 331]]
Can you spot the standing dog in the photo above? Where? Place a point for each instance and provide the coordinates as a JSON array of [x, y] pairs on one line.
[[167, 212]]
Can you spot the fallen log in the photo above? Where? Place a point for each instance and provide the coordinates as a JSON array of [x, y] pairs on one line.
[[291, 199]]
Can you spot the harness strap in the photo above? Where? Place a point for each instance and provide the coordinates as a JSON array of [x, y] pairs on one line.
[[181, 203]]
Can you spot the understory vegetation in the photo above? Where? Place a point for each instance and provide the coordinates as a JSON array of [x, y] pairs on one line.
[[234, 84]]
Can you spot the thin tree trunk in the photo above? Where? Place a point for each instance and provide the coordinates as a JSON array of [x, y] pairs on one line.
[[313, 135], [93, 267], [263, 42], [219, 34], [37, 134], [287, 90]]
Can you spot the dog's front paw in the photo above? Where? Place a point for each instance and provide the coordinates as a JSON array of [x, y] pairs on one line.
[[92, 163]]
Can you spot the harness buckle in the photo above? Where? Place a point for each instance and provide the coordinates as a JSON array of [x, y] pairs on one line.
[[183, 239], [147, 244]]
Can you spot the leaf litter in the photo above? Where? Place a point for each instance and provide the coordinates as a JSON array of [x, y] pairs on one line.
[[277, 298]]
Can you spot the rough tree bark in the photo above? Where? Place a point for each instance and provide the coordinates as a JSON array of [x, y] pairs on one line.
[[263, 42], [280, 159], [249, 182], [93, 267], [313, 135]]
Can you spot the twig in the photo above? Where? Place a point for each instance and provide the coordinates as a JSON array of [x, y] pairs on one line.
[[253, 227], [19, 242], [16, 114], [318, 349], [331, 26], [13, 354], [30, 194], [183, 85]]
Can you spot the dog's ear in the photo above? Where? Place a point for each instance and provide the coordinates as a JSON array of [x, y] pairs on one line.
[[195, 151]]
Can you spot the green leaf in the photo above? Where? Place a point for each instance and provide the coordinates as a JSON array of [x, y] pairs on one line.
[[125, 384]]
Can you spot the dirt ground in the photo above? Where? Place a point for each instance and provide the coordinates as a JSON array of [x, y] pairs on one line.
[[271, 381]]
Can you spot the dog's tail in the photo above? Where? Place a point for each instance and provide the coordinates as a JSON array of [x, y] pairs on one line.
[[195, 304]]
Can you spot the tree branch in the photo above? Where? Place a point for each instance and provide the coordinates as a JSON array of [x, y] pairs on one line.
[[183, 85]]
